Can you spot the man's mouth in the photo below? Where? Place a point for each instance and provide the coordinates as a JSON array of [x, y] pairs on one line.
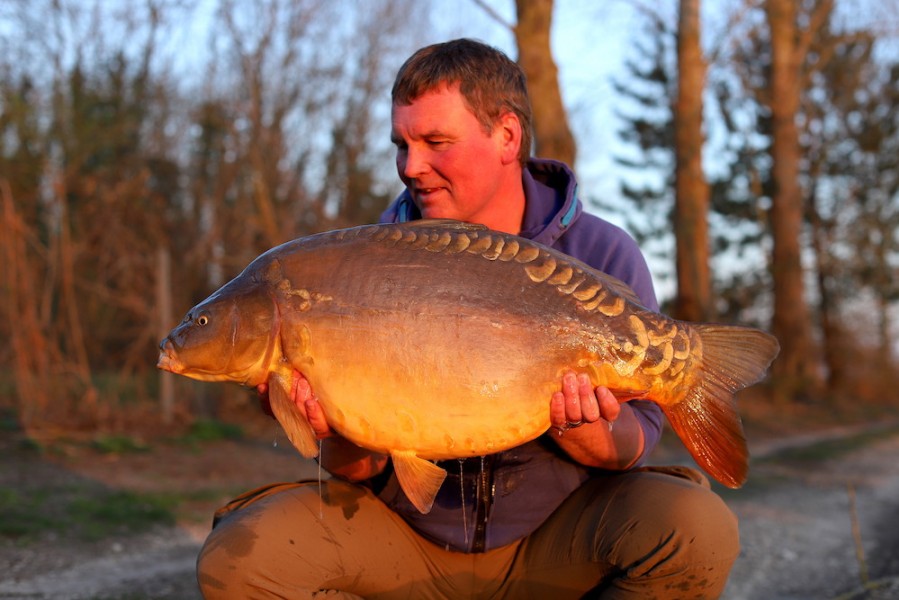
[[424, 191]]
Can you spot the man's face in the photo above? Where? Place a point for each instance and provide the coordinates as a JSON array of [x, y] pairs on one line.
[[450, 166]]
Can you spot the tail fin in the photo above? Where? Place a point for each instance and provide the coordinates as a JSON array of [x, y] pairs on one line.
[[707, 420]]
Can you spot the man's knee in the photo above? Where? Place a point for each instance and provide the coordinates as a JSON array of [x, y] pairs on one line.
[[280, 540], [251, 538], [220, 572], [703, 522], [674, 522]]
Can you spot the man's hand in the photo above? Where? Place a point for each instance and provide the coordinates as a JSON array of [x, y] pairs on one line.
[[303, 397], [307, 402], [579, 402], [583, 417]]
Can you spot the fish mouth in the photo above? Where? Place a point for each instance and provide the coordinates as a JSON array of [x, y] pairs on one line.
[[167, 360]]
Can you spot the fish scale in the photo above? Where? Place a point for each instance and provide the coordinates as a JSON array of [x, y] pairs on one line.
[[437, 340]]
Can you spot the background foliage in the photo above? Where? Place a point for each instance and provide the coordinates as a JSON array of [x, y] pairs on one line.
[[150, 149]]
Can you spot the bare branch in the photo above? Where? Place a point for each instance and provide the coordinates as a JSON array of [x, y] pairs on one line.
[[493, 14]]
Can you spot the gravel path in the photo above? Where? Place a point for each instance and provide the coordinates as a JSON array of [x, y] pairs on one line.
[[827, 532], [797, 527], [155, 565]]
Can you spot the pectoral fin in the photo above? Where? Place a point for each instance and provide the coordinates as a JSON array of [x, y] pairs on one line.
[[419, 478], [294, 423]]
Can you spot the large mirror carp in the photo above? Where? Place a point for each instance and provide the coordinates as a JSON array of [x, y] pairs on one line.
[[436, 339]]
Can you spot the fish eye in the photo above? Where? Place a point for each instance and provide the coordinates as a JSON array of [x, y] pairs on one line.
[[202, 320]]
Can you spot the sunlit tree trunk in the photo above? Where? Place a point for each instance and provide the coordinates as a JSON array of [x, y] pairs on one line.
[[791, 324], [552, 136], [693, 300]]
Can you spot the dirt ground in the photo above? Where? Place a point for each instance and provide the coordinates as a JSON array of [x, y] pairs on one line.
[[825, 530], [821, 528]]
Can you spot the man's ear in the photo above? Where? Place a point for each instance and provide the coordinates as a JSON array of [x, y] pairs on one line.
[[510, 136]]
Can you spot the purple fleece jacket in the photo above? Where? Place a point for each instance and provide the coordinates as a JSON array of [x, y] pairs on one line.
[[488, 503]]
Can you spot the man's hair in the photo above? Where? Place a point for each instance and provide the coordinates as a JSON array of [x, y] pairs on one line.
[[490, 82]]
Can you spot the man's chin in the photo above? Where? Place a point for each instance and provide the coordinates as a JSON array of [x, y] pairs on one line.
[[438, 210], [437, 213], [439, 217]]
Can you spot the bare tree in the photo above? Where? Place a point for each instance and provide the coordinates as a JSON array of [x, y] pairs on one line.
[[552, 134], [693, 301], [31, 350], [359, 161], [790, 40], [79, 203], [797, 365], [278, 75]]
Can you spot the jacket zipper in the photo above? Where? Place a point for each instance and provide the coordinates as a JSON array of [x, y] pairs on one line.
[[484, 496]]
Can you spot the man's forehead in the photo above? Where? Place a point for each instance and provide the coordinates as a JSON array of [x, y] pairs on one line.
[[412, 95], [431, 113]]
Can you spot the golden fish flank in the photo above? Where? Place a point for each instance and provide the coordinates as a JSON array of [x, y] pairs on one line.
[[434, 340]]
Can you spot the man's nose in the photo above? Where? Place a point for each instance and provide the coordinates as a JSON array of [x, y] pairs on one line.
[[414, 163]]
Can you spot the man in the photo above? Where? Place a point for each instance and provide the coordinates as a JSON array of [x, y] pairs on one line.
[[564, 516]]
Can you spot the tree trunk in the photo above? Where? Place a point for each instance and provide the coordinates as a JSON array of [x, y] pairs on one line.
[[68, 299], [795, 368], [26, 336], [552, 136], [693, 302], [833, 342]]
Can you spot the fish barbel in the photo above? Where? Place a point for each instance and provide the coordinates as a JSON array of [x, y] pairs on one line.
[[437, 339]]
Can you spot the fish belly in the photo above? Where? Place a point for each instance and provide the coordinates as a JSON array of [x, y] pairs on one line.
[[442, 386]]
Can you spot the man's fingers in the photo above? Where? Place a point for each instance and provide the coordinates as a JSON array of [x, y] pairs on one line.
[[557, 410], [305, 399], [302, 391], [589, 405], [609, 407], [571, 389], [579, 402]]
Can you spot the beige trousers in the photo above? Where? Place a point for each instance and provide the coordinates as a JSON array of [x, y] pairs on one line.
[[642, 534]]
